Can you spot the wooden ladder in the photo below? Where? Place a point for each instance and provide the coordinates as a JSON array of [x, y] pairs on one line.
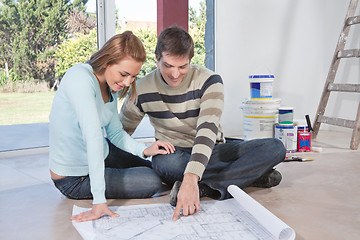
[[330, 86]]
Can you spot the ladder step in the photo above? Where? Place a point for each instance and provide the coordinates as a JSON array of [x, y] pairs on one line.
[[353, 20], [350, 53], [336, 121], [344, 87]]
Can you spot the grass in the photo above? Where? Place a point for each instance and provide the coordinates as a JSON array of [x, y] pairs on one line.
[[24, 108]]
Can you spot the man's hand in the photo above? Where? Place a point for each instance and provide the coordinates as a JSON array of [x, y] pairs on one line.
[[188, 197]]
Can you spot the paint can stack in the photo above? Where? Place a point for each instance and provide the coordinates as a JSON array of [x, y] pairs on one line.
[[260, 111], [295, 137], [263, 117]]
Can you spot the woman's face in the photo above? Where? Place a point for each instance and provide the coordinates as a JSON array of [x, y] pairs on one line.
[[122, 73]]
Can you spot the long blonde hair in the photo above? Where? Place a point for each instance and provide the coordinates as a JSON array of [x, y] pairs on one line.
[[114, 50]]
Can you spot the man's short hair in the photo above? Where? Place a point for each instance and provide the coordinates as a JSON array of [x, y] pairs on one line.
[[176, 41]]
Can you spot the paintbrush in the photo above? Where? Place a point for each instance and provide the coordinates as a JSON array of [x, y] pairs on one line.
[[298, 159]]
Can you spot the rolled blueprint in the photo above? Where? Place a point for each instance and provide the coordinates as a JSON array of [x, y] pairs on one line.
[[269, 221]]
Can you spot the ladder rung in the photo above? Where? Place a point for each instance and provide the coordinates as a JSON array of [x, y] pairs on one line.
[[349, 53], [353, 20], [336, 121], [344, 87]]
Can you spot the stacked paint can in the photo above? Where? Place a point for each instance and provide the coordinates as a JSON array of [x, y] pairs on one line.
[[261, 110], [286, 115], [261, 86], [259, 118], [286, 130]]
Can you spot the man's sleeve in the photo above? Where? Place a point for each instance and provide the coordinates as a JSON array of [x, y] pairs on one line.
[[130, 116], [211, 107]]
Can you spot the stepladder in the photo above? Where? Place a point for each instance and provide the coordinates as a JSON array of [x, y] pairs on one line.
[[341, 54]]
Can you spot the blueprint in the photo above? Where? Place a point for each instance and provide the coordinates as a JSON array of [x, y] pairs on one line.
[[228, 219]]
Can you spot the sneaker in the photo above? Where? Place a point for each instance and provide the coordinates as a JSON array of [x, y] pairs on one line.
[[268, 180], [204, 191]]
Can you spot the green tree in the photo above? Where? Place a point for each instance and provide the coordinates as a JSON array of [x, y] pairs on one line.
[[148, 37], [29, 31], [73, 51]]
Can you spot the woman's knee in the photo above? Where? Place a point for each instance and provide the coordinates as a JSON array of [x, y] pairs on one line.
[[153, 179]]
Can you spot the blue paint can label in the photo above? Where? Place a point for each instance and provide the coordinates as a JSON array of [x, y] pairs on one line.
[[261, 86]]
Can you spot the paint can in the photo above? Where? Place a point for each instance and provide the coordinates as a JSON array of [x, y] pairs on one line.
[[259, 117], [302, 128], [287, 134], [286, 115], [304, 139], [261, 86]]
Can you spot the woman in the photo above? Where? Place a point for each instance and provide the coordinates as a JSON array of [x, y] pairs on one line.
[[85, 130]]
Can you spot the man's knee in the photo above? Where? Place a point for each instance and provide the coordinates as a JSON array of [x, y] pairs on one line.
[[279, 148], [279, 145], [169, 166]]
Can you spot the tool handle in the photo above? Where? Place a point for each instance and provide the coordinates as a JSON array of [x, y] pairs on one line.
[[308, 123]]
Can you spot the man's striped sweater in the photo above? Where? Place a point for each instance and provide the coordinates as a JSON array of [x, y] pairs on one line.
[[187, 115]]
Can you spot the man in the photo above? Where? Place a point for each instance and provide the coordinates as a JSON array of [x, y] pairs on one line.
[[184, 103]]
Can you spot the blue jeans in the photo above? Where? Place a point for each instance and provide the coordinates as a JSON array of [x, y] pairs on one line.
[[126, 176], [234, 162]]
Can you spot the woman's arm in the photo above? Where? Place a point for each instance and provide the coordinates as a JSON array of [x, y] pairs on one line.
[[120, 138], [81, 91]]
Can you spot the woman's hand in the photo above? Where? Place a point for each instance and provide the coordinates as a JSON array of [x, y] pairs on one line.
[[159, 147], [96, 212]]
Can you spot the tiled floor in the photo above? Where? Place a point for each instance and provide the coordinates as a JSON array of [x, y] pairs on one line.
[[318, 199]]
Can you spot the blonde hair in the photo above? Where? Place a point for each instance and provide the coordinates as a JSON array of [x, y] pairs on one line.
[[114, 50]]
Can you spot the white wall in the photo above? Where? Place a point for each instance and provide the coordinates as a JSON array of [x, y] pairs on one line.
[[296, 41]]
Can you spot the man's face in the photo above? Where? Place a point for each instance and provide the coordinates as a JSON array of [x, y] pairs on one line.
[[173, 68]]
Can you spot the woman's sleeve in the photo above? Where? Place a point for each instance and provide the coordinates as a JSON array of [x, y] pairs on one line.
[[120, 138]]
